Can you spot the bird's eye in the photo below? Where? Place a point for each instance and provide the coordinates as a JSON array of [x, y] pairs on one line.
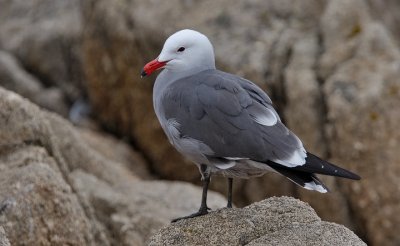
[[181, 49]]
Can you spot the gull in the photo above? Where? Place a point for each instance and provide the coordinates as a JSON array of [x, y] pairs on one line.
[[226, 124]]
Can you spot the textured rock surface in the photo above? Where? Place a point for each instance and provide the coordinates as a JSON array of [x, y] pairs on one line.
[[37, 202], [133, 211], [3, 239], [50, 178], [114, 71], [14, 77], [274, 221], [116, 150], [391, 18], [45, 36], [324, 233], [366, 85]]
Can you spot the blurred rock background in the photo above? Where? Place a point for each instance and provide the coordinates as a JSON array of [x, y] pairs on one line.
[[331, 67]]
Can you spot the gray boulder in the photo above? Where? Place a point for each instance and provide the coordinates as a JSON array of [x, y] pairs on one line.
[[135, 210], [14, 77], [274, 221], [45, 36], [59, 186], [38, 205]]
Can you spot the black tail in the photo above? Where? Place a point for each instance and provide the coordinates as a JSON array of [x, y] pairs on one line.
[[306, 180], [314, 164]]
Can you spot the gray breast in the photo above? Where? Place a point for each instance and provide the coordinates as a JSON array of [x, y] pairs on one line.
[[191, 148]]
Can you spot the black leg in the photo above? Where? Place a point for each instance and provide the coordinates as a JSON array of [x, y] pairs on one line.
[[230, 181], [203, 207]]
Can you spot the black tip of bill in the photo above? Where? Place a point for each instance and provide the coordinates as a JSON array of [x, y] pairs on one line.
[[143, 73]]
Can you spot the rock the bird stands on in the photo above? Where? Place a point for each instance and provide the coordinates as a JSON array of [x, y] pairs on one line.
[[226, 124]]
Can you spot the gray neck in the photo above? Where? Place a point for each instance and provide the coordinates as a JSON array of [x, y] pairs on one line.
[[167, 76], [173, 75]]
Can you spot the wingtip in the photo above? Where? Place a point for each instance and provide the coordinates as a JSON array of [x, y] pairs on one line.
[[349, 175], [335, 170], [355, 176]]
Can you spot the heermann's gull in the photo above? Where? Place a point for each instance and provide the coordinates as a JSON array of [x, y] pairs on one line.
[[224, 123]]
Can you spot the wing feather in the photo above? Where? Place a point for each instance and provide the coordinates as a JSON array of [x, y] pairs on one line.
[[233, 117]]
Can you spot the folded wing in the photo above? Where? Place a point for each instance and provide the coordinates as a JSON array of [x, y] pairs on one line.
[[233, 117]]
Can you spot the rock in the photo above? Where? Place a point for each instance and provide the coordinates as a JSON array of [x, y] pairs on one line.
[[120, 152], [3, 239], [24, 123], [136, 210], [50, 177], [14, 77], [45, 36], [324, 233], [274, 221], [118, 78], [37, 203], [363, 94], [390, 19], [35, 189]]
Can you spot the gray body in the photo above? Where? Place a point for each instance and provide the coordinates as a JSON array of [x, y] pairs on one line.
[[225, 122]]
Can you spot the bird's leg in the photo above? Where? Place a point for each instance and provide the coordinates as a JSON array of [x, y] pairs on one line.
[[206, 181], [230, 182], [203, 207]]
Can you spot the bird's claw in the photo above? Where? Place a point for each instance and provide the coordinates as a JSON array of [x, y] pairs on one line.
[[198, 213]]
